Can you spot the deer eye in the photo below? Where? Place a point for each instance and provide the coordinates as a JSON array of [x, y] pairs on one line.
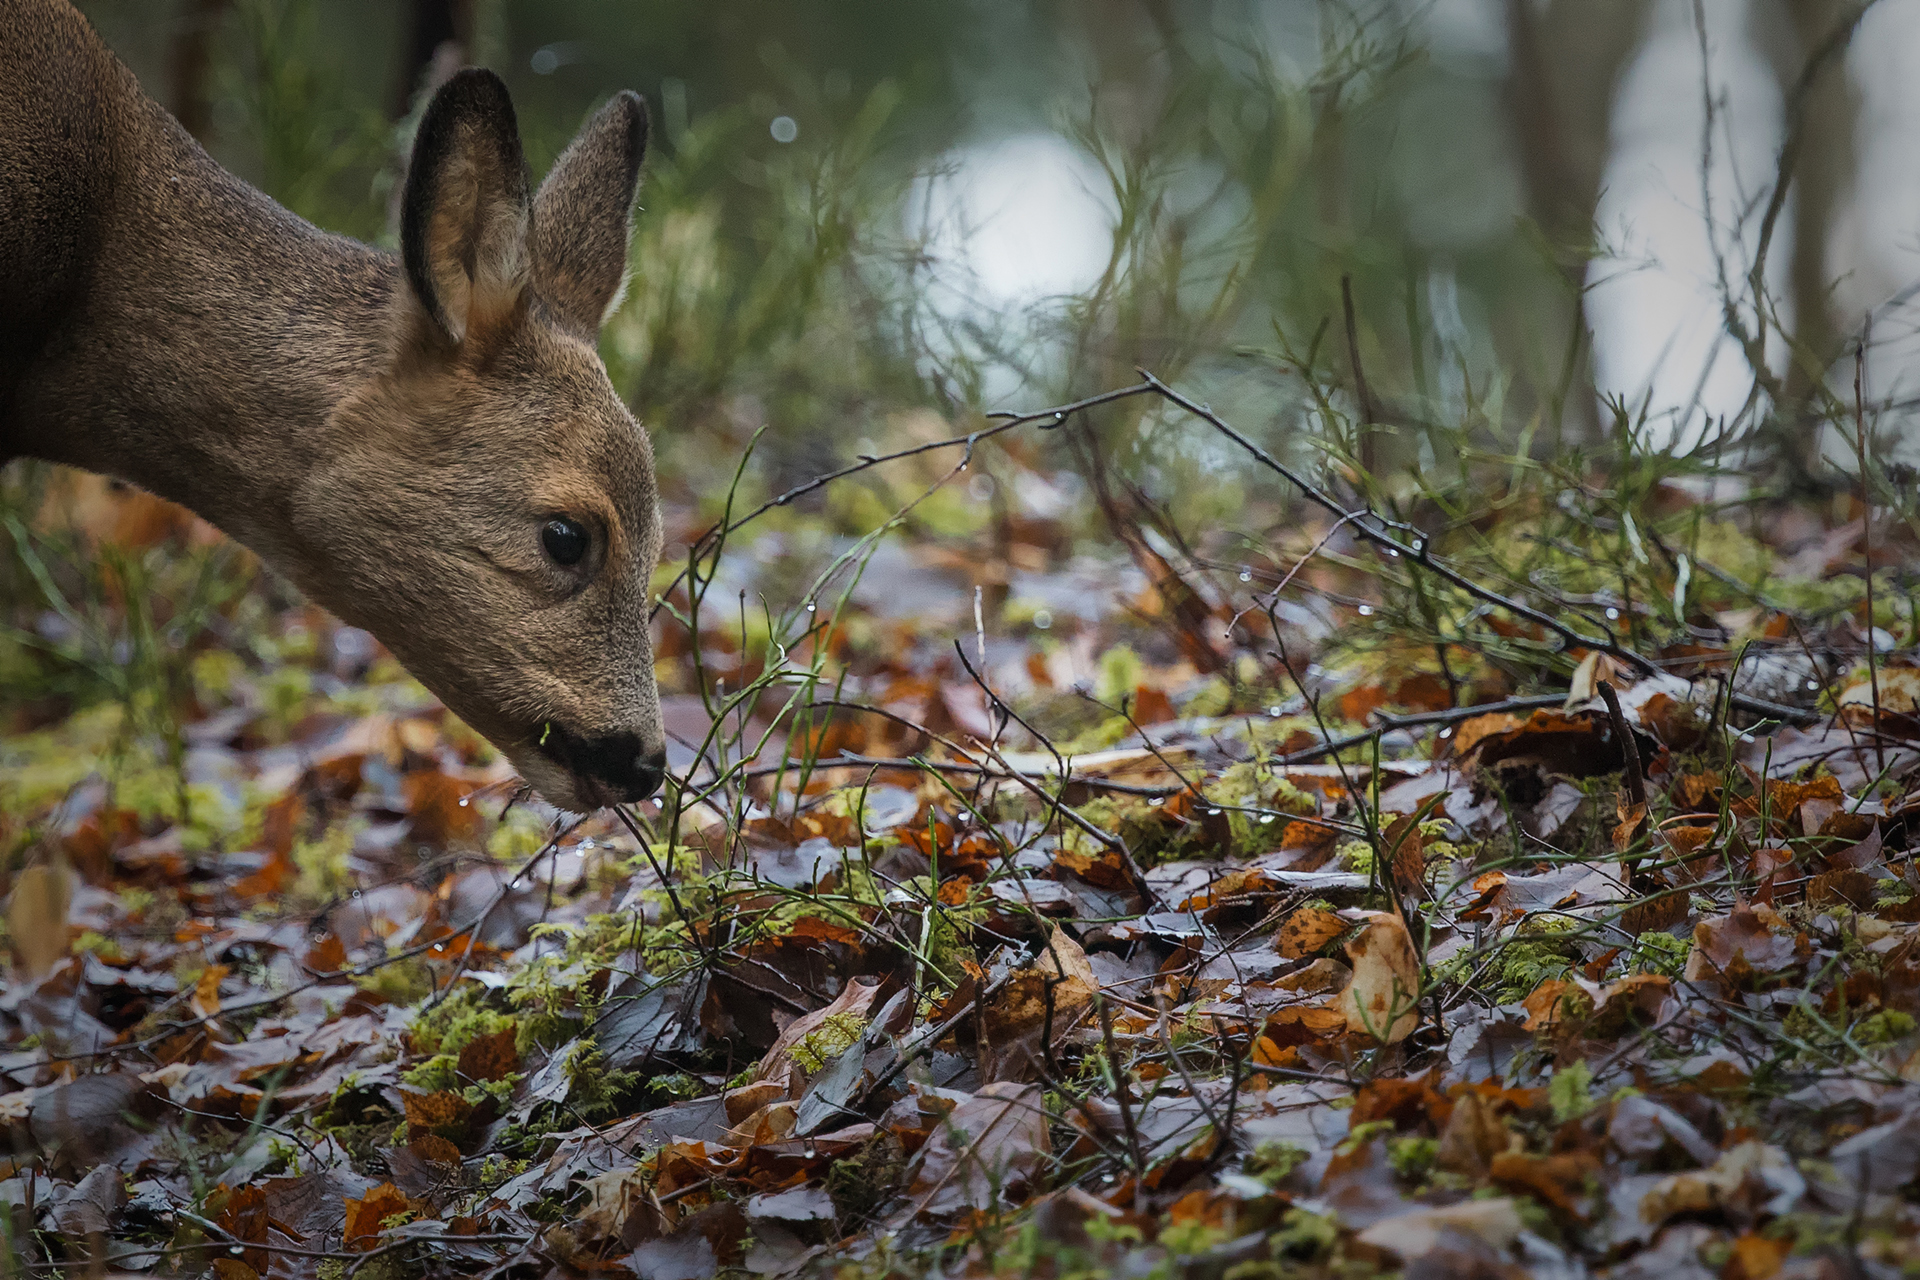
[[565, 540]]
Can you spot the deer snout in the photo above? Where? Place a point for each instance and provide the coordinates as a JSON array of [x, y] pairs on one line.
[[619, 763]]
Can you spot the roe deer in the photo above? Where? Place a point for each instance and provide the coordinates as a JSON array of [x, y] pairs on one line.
[[428, 445]]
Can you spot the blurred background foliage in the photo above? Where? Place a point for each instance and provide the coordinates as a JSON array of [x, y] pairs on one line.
[[855, 209], [1451, 254]]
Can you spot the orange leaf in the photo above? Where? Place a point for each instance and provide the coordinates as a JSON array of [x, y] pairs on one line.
[[1307, 931], [365, 1215], [205, 1000], [490, 1057]]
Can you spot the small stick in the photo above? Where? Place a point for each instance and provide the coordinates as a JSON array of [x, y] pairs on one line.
[[1629, 746]]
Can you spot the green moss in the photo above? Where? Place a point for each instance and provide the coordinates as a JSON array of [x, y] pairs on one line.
[[1118, 673], [827, 1041], [322, 864], [1883, 1027], [1273, 1162], [1412, 1158], [1525, 965], [403, 983], [1570, 1091]]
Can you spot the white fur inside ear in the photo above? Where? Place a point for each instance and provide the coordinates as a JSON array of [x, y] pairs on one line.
[[619, 294]]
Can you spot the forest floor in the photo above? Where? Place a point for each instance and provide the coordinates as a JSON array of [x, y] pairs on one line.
[[1526, 890]]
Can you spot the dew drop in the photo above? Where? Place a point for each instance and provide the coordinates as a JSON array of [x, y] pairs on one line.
[[1419, 545], [1446, 733], [463, 802], [1394, 552], [1366, 611], [1274, 710], [1157, 801], [1058, 418], [812, 607], [1265, 818], [236, 1250], [1213, 813], [1246, 575], [1042, 620], [1613, 615], [1813, 684]]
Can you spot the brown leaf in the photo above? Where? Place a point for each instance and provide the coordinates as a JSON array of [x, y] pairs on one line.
[[205, 1000], [1307, 932], [984, 1153], [1409, 860], [445, 1112], [1474, 1135], [778, 1065], [1632, 817], [365, 1215], [489, 1057], [1021, 1005], [1553, 1180], [434, 803], [434, 1149], [243, 1215], [1382, 1000], [37, 917], [1853, 888], [1754, 935]]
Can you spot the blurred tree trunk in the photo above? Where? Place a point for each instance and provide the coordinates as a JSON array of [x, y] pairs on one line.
[[1797, 37], [438, 32], [190, 65], [1565, 58]]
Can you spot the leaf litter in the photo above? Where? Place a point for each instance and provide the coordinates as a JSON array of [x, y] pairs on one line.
[[1106, 946]]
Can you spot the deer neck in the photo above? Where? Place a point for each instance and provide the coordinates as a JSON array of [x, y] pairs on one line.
[[213, 340]]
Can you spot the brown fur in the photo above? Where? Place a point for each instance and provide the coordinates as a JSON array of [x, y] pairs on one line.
[[391, 434]]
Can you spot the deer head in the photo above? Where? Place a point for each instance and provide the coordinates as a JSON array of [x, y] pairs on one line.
[[485, 503]]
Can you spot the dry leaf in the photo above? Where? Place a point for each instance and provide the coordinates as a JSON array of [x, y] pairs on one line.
[[37, 917], [1307, 931], [365, 1215], [205, 1001], [1382, 999], [1021, 1006]]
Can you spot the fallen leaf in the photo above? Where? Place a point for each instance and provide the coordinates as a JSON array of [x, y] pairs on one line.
[[37, 917], [1059, 966], [983, 1153], [1307, 932], [1382, 1000]]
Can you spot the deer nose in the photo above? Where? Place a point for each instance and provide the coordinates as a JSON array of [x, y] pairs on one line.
[[617, 761], [629, 772]]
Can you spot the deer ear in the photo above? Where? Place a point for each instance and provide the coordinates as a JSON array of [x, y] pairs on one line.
[[580, 216], [463, 223]]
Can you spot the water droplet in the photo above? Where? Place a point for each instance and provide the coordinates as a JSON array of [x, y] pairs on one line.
[[1275, 710], [1394, 552], [1058, 418], [1265, 818], [1213, 813], [236, 1250], [1446, 733], [1419, 545], [1366, 611], [463, 801], [1246, 575], [784, 129], [812, 607], [1157, 801], [1613, 615], [1813, 684], [356, 893], [782, 500], [1042, 619]]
